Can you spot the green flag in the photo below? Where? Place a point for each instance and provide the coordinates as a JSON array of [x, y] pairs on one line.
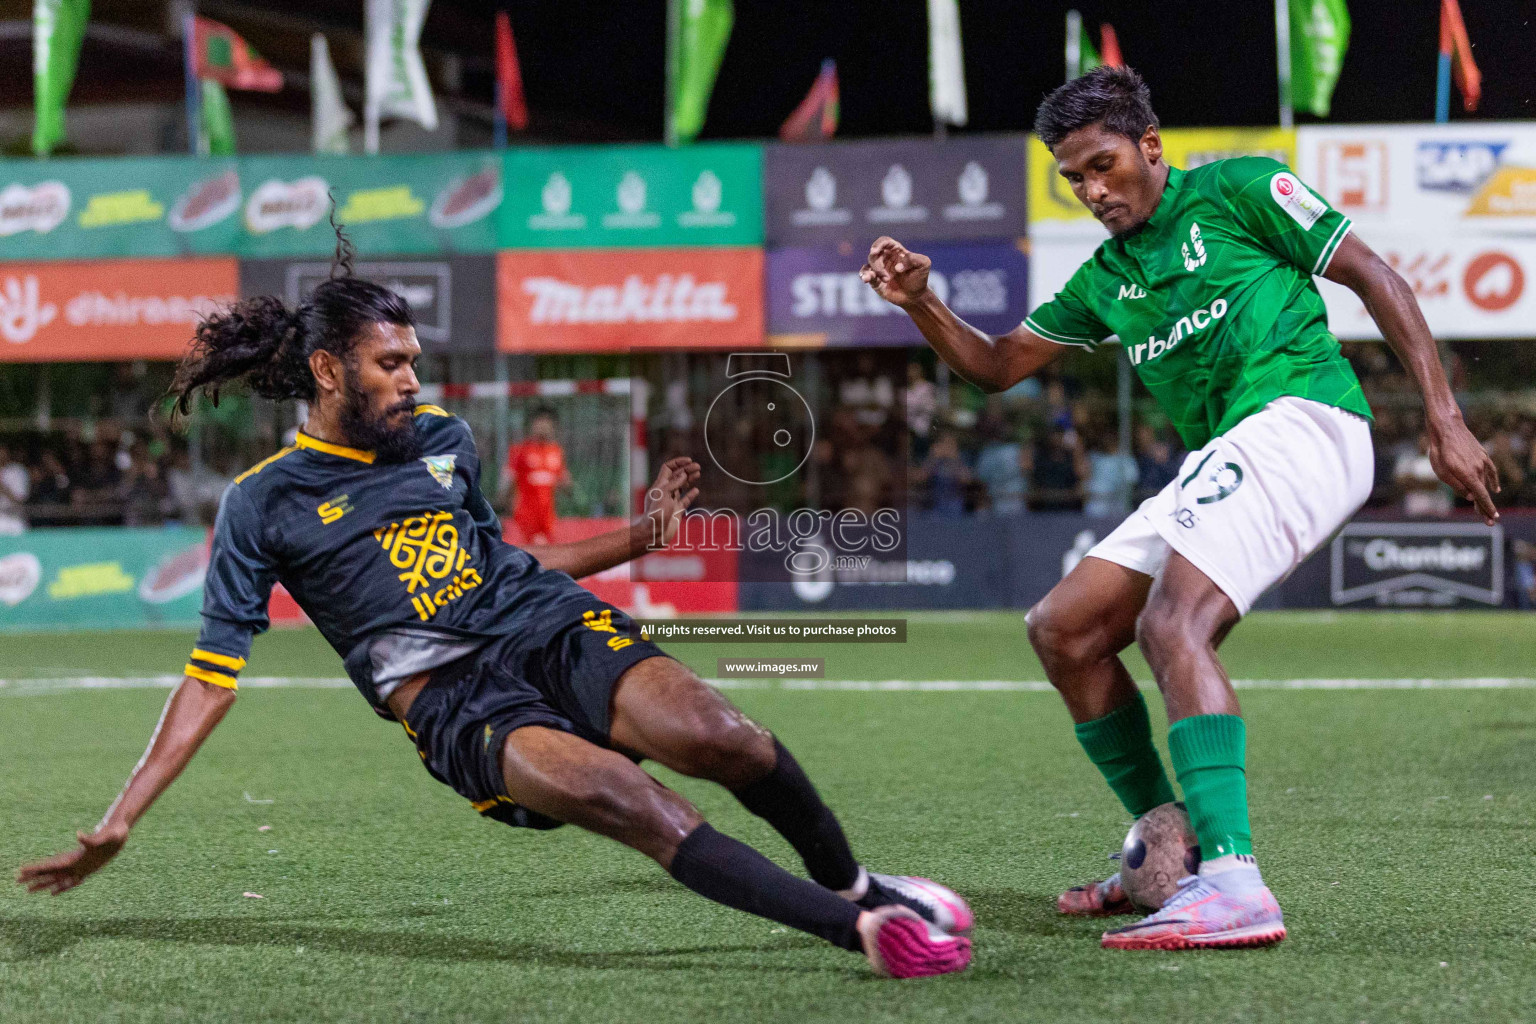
[[1319, 37], [1082, 57], [58, 29], [698, 32], [217, 134]]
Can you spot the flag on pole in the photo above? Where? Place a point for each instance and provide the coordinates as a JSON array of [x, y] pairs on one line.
[[1319, 37], [216, 135], [330, 115], [815, 119], [1111, 46], [1082, 57], [58, 30], [220, 55], [397, 78], [1456, 62], [946, 64], [698, 31], [510, 102]]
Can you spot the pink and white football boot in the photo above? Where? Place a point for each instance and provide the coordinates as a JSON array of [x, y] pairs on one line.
[[937, 904], [1231, 910], [899, 944]]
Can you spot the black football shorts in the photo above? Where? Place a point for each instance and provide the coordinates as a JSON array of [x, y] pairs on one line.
[[556, 671]]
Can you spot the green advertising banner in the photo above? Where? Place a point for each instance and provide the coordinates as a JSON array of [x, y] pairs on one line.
[[92, 578], [247, 206], [625, 196]]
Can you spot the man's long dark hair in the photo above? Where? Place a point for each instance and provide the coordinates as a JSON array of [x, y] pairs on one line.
[[262, 342]]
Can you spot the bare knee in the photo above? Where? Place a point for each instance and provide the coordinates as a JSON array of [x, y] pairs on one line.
[[727, 747], [1164, 634], [1065, 640], [646, 816]]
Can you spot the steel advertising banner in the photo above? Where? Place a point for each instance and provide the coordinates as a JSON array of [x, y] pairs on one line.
[[102, 578], [108, 310], [614, 300], [627, 196], [453, 297], [247, 206], [1055, 213], [815, 295], [1468, 287], [1475, 179], [970, 187]]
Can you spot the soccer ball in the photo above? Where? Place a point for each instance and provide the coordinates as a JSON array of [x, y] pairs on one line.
[[1160, 849]]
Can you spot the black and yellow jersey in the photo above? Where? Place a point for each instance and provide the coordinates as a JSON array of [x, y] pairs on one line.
[[400, 565]]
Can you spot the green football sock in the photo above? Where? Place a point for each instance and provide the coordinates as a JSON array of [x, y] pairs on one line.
[[1208, 753], [1120, 744]]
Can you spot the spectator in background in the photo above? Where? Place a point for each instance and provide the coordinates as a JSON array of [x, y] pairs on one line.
[[1525, 573], [922, 401], [1058, 412], [1157, 461], [1060, 468], [867, 479], [535, 468], [1111, 478], [1003, 467], [945, 476], [15, 485], [1423, 493], [50, 482], [143, 488], [1504, 449], [869, 393], [96, 482]]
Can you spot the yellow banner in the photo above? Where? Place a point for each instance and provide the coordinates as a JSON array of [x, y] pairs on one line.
[[1051, 199]]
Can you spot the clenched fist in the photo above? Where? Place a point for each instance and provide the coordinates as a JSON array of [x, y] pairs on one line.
[[896, 274]]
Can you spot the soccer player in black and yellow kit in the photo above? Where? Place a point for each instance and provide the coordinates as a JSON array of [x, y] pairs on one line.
[[521, 690]]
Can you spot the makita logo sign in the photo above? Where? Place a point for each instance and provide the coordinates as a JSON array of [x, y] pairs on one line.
[[667, 298], [1418, 564], [1182, 328]]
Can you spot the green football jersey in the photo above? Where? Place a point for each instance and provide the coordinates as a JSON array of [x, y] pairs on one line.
[[1213, 299]]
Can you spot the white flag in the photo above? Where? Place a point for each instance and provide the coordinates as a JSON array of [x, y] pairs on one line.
[[332, 117], [397, 79], [946, 66]]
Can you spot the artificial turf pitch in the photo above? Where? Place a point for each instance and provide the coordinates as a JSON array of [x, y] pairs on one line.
[[1393, 824]]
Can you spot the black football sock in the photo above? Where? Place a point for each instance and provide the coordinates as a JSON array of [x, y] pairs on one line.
[[787, 801], [722, 869]]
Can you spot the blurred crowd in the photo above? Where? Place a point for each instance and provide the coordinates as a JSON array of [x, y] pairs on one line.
[[889, 431], [116, 478]]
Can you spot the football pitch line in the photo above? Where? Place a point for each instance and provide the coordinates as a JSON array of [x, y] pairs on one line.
[[61, 684]]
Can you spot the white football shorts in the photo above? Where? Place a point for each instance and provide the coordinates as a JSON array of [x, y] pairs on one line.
[[1250, 506]]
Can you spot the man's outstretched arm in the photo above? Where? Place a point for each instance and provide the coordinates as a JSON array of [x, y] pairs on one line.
[[671, 493], [991, 363], [1457, 456], [190, 714]]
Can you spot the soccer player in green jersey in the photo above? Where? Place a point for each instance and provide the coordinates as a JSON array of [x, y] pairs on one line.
[[1207, 281]]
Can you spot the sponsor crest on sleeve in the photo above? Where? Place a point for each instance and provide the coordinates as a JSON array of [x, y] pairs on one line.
[[1296, 199], [441, 468]]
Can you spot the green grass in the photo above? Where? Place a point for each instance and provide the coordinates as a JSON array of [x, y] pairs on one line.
[[1393, 825]]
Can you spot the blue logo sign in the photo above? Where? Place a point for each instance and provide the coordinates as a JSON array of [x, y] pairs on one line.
[[1457, 166]]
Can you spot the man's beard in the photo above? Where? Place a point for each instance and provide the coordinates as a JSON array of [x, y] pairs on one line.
[[373, 433]]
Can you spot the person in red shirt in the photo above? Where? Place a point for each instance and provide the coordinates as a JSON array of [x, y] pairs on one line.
[[535, 467]]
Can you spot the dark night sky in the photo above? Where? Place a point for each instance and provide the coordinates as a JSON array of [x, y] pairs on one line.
[[596, 66]]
